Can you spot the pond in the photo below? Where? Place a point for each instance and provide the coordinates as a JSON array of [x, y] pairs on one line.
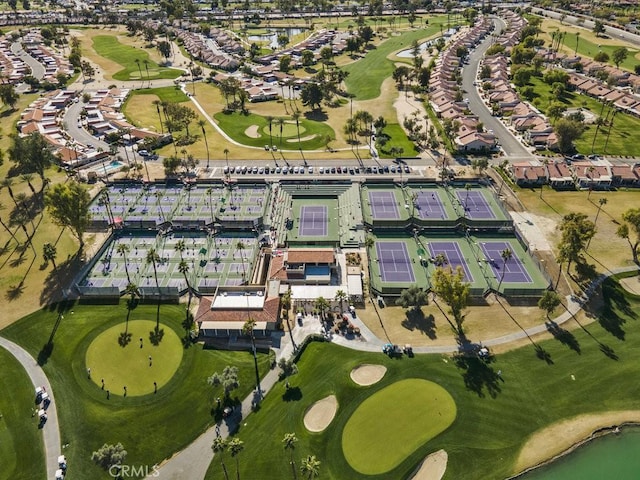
[[613, 456], [272, 36]]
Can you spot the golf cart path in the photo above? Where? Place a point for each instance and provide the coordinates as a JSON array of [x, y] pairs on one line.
[[51, 430]]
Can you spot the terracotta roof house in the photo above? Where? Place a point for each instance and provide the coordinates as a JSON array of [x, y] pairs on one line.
[[625, 176], [560, 176], [312, 266], [529, 174]]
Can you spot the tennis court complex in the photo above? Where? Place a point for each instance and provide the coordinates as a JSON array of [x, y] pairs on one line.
[[511, 271], [429, 205], [395, 263], [314, 221]]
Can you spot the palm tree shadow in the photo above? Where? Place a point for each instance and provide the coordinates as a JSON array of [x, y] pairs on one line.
[[156, 335], [478, 375], [292, 394], [416, 320], [14, 292], [563, 336]]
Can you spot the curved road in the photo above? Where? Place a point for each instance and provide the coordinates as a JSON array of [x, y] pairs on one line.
[[37, 69], [513, 149], [51, 429]]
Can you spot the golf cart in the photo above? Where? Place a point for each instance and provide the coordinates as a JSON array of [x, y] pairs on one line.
[[59, 474], [392, 350]]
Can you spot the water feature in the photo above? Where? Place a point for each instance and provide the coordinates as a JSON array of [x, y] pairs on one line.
[[613, 456], [272, 36], [422, 47]]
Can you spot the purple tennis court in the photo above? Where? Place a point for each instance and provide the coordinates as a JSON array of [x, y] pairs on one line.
[[313, 221], [394, 261], [429, 205], [514, 271], [384, 205], [452, 253], [475, 205]]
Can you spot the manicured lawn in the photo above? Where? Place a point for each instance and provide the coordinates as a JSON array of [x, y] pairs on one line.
[[151, 427], [164, 94], [622, 140], [495, 414], [21, 446], [367, 74], [124, 355], [407, 414], [398, 139], [110, 47], [312, 134]]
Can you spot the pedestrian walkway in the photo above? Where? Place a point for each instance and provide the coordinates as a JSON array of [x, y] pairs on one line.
[[51, 430]]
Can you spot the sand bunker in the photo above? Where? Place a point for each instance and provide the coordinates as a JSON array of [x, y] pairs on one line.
[[631, 284], [302, 139], [432, 467], [368, 374], [320, 414], [252, 132]]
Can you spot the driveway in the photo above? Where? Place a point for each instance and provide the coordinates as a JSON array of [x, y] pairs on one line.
[[513, 149], [70, 120]]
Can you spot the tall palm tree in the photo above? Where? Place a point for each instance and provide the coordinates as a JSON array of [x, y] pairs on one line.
[[137, 60], [289, 441], [321, 305], [577, 40], [247, 329], [183, 268], [123, 249], [209, 194], [158, 103], [226, 157], [241, 246], [28, 177], [153, 258], [219, 446], [441, 260], [235, 447], [286, 306], [6, 227], [270, 121], [146, 67], [506, 255], [202, 124], [467, 188], [341, 296], [310, 467], [606, 142], [6, 183], [180, 246], [280, 122]]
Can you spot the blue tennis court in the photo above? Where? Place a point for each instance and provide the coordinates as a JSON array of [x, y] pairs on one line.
[[395, 264], [475, 205], [514, 270], [429, 205], [313, 221], [384, 205], [454, 257]]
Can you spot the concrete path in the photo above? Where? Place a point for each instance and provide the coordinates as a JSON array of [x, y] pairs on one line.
[[51, 430]]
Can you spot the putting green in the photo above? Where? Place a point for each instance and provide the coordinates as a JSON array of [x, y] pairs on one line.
[[129, 365], [288, 130], [391, 424]]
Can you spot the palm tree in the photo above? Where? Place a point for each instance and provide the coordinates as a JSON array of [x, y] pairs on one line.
[[153, 258], [210, 193], [280, 122], [157, 103], [226, 157], [289, 441], [180, 246], [6, 227], [286, 306], [606, 142], [341, 296], [28, 177], [202, 123], [241, 246], [270, 121], [247, 329], [601, 203], [296, 117], [49, 253], [219, 446], [321, 305], [506, 255], [235, 447], [441, 260], [123, 249], [369, 242], [137, 60], [577, 40], [6, 183], [146, 67], [310, 467], [183, 268], [131, 289]]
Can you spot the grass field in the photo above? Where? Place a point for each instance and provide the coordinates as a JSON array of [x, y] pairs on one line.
[[588, 44], [118, 357], [21, 446], [622, 140], [111, 48], [495, 414], [151, 427], [407, 414], [398, 139], [367, 74]]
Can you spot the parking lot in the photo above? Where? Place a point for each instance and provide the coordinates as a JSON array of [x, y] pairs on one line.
[[318, 170]]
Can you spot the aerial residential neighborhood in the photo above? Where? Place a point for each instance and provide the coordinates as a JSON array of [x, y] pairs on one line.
[[309, 240]]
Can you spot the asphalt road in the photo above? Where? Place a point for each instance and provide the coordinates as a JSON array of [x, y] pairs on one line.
[[37, 69], [70, 120], [513, 149]]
